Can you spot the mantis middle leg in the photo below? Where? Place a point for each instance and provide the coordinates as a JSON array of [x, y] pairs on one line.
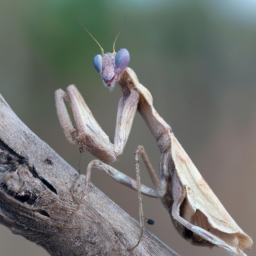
[[127, 181]]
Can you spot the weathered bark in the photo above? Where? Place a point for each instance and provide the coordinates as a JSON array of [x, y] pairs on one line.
[[39, 191]]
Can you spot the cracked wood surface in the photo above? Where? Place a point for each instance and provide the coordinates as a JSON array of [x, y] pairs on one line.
[[39, 191]]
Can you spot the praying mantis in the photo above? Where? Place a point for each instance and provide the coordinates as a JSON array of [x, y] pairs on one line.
[[195, 211]]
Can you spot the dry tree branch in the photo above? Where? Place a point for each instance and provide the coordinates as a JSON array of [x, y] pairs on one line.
[[39, 191]]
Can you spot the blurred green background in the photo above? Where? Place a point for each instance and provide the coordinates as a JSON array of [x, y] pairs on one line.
[[198, 59]]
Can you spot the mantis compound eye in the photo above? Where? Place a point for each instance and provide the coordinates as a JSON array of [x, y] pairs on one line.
[[121, 61], [97, 63]]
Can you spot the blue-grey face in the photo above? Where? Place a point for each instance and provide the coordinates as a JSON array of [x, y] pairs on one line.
[[111, 66]]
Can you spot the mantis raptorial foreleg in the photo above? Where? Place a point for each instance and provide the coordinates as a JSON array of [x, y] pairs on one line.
[[88, 134]]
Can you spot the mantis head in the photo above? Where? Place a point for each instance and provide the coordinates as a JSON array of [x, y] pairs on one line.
[[110, 65]]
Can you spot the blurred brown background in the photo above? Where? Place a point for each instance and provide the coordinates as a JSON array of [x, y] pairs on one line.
[[198, 59]]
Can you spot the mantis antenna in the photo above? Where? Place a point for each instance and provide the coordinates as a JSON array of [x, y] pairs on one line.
[[102, 50], [114, 44]]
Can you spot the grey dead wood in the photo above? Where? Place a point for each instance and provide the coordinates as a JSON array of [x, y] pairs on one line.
[[39, 191]]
